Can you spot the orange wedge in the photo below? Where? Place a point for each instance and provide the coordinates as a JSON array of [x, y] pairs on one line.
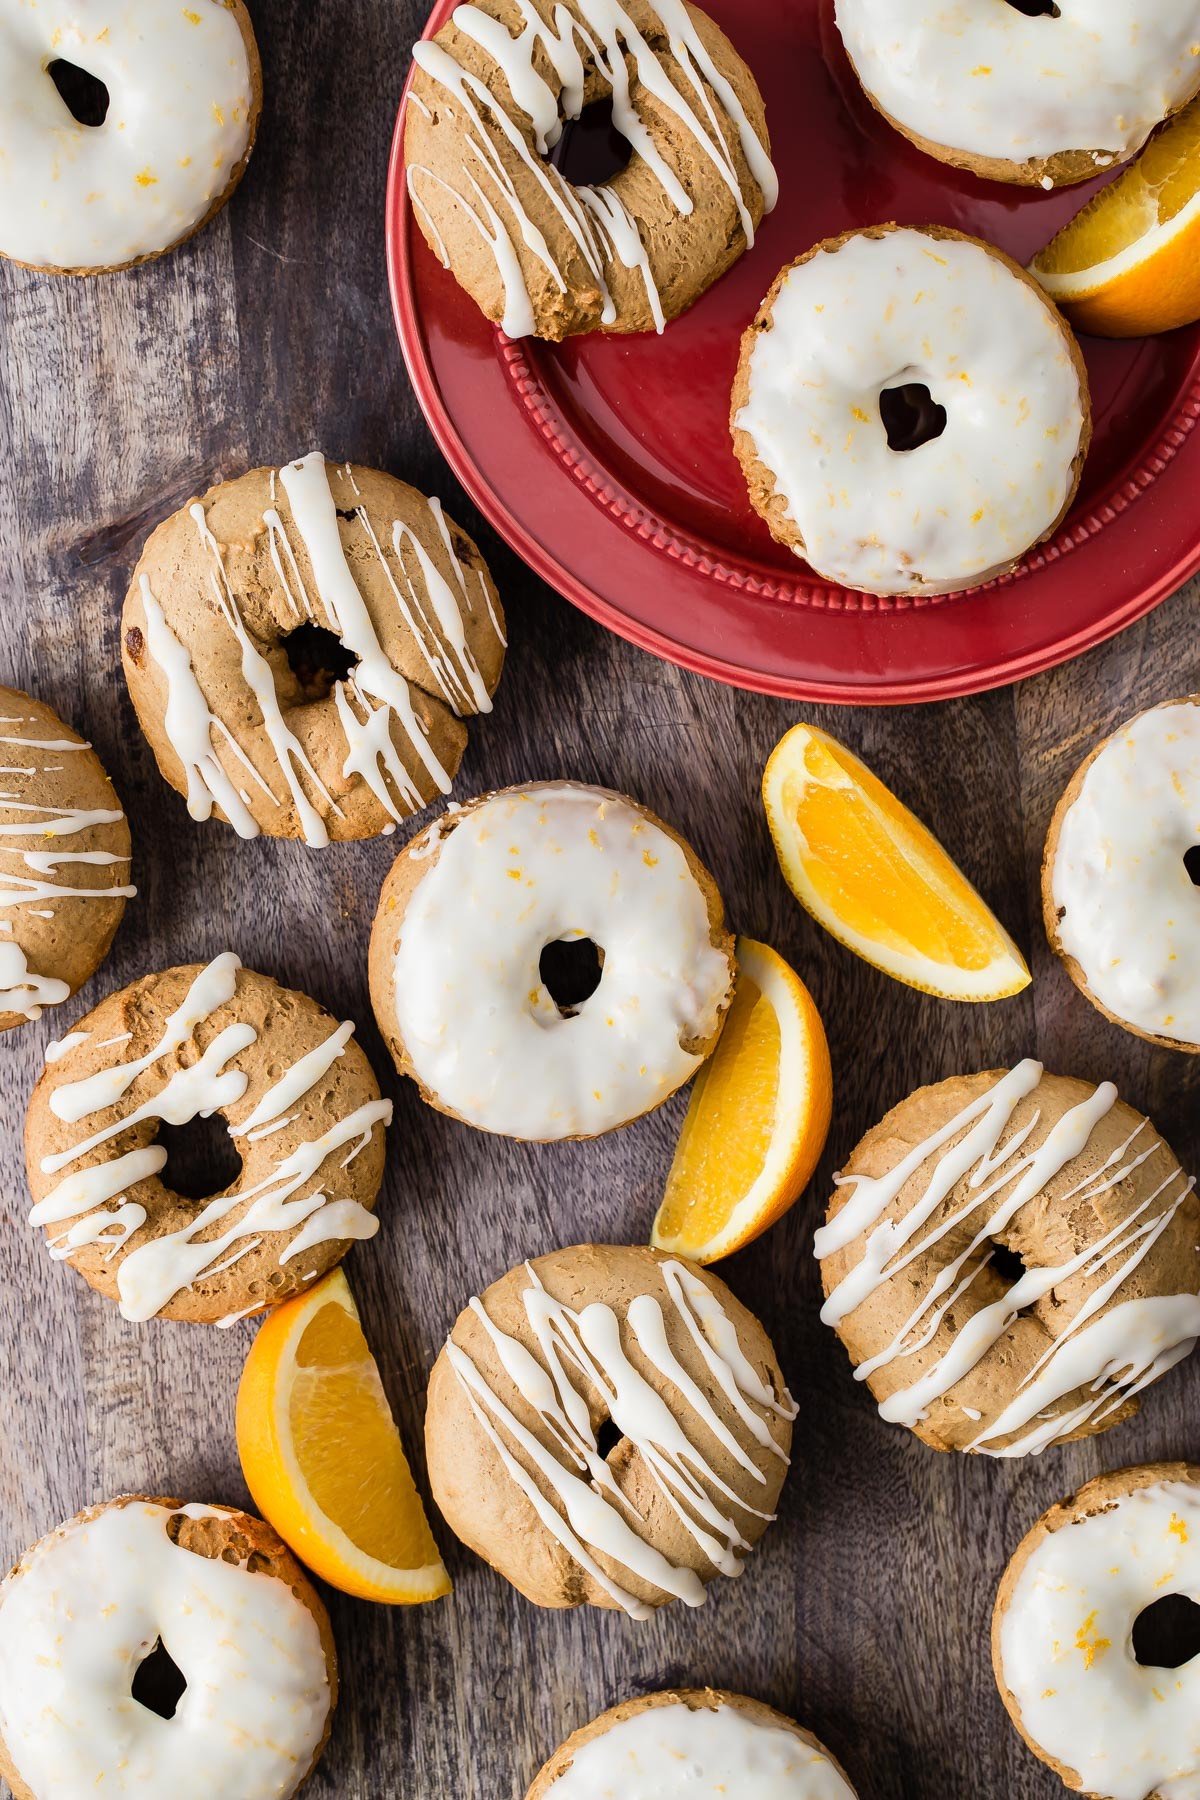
[[1128, 265], [758, 1118], [870, 872], [322, 1456]]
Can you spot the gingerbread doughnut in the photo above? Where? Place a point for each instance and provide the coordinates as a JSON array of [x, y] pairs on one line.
[[1038, 94], [910, 411], [303, 1114], [90, 1609], [490, 99], [1010, 1258], [124, 126], [64, 860], [302, 647], [608, 1341], [467, 916], [688, 1743]]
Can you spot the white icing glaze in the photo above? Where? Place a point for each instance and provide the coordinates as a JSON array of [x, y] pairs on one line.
[[1129, 1730], [883, 313], [1108, 1352], [601, 228], [179, 116], [23, 817], [585, 1349], [676, 1752], [82, 1612], [372, 702], [982, 77], [521, 870], [1130, 911], [151, 1274]]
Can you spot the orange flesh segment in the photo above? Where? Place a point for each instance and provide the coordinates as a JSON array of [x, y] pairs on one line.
[[347, 1445], [733, 1103], [874, 864], [1153, 192]]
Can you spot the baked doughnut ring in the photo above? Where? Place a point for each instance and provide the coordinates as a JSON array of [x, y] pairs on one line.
[[686, 1742], [1041, 95], [586, 1342], [910, 411], [303, 1112], [302, 646], [1082, 1651], [460, 982], [490, 97], [1010, 1259], [125, 125], [1120, 873], [64, 860], [91, 1609]]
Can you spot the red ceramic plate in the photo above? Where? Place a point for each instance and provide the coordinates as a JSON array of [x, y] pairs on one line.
[[606, 462]]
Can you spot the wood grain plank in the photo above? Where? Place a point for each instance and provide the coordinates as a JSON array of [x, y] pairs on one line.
[[866, 1611]]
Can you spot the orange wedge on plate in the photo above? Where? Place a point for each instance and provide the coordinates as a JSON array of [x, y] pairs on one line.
[[870, 872], [322, 1456], [758, 1117], [1128, 265]]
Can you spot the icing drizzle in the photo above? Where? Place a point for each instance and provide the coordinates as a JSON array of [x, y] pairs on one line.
[[600, 226], [577, 1350], [374, 702], [94, 1202], [38, 884], [1107, 1352]]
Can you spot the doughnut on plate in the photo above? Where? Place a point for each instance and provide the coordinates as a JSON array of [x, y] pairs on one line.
[[606, 461]]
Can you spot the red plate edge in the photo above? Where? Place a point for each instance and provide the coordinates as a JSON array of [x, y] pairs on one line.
[[1160, 507]]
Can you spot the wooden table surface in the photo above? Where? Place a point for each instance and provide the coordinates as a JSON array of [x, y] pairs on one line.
[[865, 1613]]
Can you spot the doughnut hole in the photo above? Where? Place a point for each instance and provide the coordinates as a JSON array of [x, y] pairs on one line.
[[318, 659], [570, 969], [85, 96], [202, 1159], [608, 1436], [1037, 9], [911, 416], [159, 1684], [591, 150], [1191, 862], [1166, 1634]]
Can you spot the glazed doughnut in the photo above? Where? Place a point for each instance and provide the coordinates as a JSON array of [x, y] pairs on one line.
[[1084, 1693], [687, 1744], [885, 318], [490, 97], [1010, 1259], [64, 860], [184, 89], [303, 1112], [1120, 874], [1039, 96], [86, 1607], [457, 950], [661, 1352], [302, 646]]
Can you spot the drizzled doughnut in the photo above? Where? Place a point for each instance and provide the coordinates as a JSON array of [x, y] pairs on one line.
[[64, 860], [302, 647], [491, 97], [1043, 95], [689, 1744], [124, 126], [910, 411], [1087, 1666], [1010, 1259], [302, 1112], [212, 1597], [1121, 876], [464, 993], [590, 1343]]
